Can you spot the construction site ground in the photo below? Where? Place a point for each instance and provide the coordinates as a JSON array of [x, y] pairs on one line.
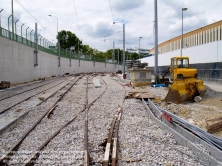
[[197, 113]]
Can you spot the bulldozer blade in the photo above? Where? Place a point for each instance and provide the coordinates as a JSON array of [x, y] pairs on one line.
[[174, 96], [185, 90]]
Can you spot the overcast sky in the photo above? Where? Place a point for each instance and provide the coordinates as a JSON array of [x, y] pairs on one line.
[[91, 20]]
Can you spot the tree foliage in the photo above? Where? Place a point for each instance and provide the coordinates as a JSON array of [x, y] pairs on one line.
[[68, 39]]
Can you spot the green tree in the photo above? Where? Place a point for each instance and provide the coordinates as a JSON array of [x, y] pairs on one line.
[[68, 39]]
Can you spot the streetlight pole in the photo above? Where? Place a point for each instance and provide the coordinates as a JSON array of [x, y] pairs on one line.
[[139, 47], [123, 48], [118, 59], [113, 56], [58, 45], [183, 9], [156, 39]]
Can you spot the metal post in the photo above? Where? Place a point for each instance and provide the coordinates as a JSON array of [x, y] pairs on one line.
[[31, 35], [78, 48], [118, 59], [70, 58], [59, 55], [139, 47], [156, 39], [58, 45], [15, 27], [36, 46], [113, 56], [183, 9], [0, 18], [8, 22], [123, 48], [21, 29], [38, 38], [41, 41], [12, 21], [26, 32]]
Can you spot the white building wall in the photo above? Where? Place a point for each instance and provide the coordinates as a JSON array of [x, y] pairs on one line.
[[17, 64], [205, 53]]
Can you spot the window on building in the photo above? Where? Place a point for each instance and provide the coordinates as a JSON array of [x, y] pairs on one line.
[[202, 38], [217, 34], [220, 32]]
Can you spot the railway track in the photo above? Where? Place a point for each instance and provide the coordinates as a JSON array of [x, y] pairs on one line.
[[110, 154], [34, 156], [13, 101], [4, 159], [19, 90]]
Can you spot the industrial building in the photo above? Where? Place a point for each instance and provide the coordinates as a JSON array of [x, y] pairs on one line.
[[202, 45]]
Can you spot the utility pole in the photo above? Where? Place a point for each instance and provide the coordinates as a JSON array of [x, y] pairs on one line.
[[118, 59], [156, 38], [123, 48], [113, 56]]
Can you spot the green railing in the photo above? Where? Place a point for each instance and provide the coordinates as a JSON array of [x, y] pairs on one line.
[[63, 53]]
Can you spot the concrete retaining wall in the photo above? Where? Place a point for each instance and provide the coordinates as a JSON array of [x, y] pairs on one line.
[[17, 64]]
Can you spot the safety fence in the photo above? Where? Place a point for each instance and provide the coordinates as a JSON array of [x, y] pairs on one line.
[[25, 35]]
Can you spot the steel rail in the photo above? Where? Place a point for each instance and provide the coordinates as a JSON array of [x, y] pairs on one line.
[[86, 151], [26, 90], [106, 159], [115, 140], [28, 98], [18, 143], [30, 161], [36, 154]]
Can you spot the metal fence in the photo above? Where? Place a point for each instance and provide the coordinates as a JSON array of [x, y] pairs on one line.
[[25, 35]]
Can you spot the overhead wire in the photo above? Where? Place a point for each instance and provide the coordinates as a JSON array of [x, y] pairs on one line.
[[77, 18], [111, 10], [32, 16], [112, 17]]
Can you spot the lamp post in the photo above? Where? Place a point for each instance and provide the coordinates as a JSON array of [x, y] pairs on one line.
[[139, 47], [58, 45], [123, 47], [183, 9]]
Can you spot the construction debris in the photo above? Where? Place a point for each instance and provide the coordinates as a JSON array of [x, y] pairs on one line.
[[96, 82], [139, 93], [215, 127], [5, 84]]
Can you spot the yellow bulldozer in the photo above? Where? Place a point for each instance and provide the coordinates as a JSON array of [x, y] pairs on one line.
[[185, 83]]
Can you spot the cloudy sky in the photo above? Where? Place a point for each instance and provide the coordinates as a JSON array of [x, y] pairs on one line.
[[91, 20]]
